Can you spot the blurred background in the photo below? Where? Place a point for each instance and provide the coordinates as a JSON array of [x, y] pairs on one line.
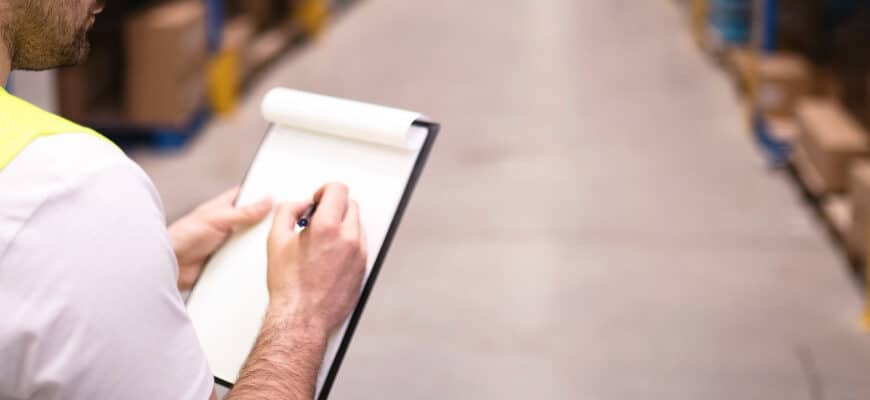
[[629, 199]]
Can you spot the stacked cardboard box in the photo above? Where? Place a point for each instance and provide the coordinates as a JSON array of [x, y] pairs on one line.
[[808, 173], [838, 210], [268, 45], [263, 13], [273, 28], [783, 129], [798, 24], [849, 57], [165, 54], [782, 80], [859, 192], [830, 140], [744, 63], [826, 83], [89, 91], [75, 96], [866, 111], [238, 34]]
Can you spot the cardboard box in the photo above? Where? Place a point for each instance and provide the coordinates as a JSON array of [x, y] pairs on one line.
[[165, 54], [237, 37], [832, 139], [806, 171], [867, 119], [263, 13], [782, 80], [267, 46], [838, 211], [798, 24], [80, 86], [859, 192], [826, 83], [784, 129], [74, 95], [745, 64]]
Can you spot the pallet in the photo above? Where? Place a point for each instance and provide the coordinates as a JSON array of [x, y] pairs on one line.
[[834, 211], [165, 138], [837, 209], [776, 149]]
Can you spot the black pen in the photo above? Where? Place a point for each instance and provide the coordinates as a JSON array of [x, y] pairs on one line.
[[305, 220]]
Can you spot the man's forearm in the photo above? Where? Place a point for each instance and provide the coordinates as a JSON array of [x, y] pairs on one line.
[[284, 362]]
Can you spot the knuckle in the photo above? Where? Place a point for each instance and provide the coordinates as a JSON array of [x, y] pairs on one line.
[[349, 241], [337, 187], [326, 229], [354, 246]]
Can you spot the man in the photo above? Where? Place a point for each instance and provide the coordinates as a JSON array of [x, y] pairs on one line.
[[89, 274]]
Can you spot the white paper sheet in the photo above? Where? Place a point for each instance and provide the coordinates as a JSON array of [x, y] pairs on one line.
[[340, 117]]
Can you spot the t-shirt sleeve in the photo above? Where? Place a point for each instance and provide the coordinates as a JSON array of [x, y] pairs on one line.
[[88, 293]]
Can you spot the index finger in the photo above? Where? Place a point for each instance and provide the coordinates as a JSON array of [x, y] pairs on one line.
[[331, 202], [228, 197]]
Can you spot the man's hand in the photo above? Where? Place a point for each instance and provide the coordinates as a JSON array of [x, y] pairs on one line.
[[316, 275], [199, 234], [314, 280]]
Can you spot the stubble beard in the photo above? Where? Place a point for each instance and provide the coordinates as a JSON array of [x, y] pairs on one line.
[[42, 39]]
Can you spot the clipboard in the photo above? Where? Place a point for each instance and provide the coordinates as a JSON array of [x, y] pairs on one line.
[[362, 130], [433, 129]]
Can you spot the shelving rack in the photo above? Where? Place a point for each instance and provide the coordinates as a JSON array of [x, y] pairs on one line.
[[129, 134], [770, 36]]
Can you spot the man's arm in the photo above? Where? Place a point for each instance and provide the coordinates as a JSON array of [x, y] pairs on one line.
[[314, 280], [284, 362]]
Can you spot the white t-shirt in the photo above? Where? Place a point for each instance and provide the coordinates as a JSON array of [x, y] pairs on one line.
[[89, 307]]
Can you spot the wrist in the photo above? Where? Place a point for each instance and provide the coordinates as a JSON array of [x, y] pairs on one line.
[[290, 314]]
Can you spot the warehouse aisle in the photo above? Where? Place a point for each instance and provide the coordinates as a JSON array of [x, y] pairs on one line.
[[594, 222]]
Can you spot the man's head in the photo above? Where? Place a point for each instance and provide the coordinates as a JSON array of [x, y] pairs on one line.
[[43, 34]]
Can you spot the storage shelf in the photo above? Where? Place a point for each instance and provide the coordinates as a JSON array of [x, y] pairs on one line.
[[265, 47]]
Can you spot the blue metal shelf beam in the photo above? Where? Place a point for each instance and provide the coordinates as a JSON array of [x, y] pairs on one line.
[[214, 24], [768, 39]]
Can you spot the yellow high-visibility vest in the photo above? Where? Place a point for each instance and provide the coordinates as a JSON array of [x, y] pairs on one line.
[[21, 123]]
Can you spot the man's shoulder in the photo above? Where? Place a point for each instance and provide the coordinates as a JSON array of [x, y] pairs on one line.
[[63, 162], [54, 170], [88, 280], [65, 158]]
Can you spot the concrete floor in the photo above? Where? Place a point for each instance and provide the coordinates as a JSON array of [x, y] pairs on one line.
[[594, 222]]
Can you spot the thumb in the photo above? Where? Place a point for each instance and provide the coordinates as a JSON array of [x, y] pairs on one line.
[[285, 218], [230, 217]]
